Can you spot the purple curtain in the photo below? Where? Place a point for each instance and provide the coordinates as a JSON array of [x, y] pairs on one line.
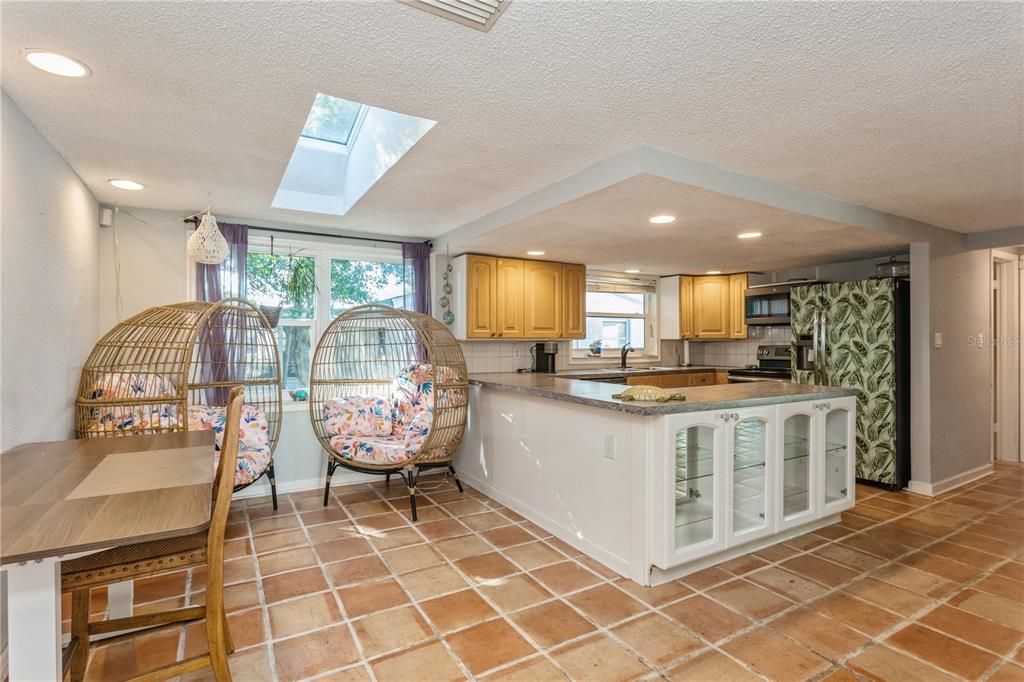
[[416, 264], [214, 282], [222, 359]]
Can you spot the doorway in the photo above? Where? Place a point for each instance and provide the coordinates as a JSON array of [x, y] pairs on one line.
[[1007, 355]]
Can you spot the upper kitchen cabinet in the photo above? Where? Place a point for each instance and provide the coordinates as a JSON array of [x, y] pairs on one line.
[[737, 306], [574, 286], [711, 307], [509, 298], [510, 306], [480, 318], [542, 296], [704, 308]]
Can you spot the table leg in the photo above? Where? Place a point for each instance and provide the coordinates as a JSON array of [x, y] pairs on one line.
[[119, 599], [33, 620]]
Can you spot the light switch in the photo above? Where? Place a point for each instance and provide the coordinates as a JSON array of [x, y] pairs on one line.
[[938, 339]]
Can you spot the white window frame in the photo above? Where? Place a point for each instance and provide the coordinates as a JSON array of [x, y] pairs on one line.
[[651, 350], [322, 252]]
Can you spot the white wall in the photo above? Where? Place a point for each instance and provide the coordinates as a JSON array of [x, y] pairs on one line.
[[961, 396], [49, 284], [153, 263], [48, 280]]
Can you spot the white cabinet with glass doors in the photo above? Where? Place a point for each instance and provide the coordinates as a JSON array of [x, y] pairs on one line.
[[730, 478]]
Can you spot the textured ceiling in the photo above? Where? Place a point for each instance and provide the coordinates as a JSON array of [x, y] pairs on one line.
[[609, 230], [916, 109]]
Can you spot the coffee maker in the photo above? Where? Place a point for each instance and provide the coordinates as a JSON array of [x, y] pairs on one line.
[[544, 356]]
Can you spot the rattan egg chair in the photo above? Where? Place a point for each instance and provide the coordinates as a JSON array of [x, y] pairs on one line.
[[171, 368], [388, 394]]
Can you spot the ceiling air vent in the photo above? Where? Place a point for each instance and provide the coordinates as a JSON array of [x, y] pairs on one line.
[[480, 14]]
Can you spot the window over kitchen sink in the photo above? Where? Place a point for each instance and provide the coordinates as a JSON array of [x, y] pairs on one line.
[[619, 311]]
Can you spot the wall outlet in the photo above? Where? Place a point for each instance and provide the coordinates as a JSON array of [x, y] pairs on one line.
[[609, 446], [515, 353]]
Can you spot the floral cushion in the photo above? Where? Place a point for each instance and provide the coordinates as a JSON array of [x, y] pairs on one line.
[[121, 385], [253, 437], [133, 418], [358, 416], [386, 450], [129, 419], [411, 415]]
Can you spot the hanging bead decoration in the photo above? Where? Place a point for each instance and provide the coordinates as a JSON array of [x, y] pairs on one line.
[[448, 316], [207, 245]]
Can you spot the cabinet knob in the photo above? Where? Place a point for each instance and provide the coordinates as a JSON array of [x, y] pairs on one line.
[[492, 333]]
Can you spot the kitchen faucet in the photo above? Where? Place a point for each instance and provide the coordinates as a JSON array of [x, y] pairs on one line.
[[626, 349]]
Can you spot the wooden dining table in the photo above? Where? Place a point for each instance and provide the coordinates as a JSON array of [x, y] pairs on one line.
[[64, 499]]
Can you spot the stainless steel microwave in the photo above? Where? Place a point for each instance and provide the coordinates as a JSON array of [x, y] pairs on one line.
[[768, 304]]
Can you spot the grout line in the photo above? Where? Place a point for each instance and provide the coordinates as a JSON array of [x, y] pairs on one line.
[[967, 518]]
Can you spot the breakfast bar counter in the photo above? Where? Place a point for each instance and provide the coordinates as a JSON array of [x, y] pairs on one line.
[[657, 490], [595, 393]]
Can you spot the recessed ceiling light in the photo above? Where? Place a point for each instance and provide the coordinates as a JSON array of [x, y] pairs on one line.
[[749, 235], [714, 272], [534, 253], [126, 184], [662, 219], [54, 63], [632, 272]]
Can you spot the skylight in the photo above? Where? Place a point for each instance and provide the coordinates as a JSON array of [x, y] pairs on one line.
[[332, 119], [344, 148]]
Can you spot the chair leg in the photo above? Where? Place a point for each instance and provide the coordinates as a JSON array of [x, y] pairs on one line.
[[218, 644], [80, 631], [331, 466], [229, 643], [451, 469], [273, 484], [410, 477], [387, 480]]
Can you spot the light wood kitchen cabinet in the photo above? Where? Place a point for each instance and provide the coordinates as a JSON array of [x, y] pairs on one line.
[[711, 307], [737, 306], [574, 306], [481, 297], [510, 308], [512, 298], [542, 294]]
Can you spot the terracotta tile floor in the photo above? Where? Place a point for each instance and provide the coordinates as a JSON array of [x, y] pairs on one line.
[[904, 588]]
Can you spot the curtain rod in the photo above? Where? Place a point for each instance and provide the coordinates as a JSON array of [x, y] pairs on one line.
[[195, 221]]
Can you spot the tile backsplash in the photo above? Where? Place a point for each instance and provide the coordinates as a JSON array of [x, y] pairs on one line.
[[508, 356], [737, 353]]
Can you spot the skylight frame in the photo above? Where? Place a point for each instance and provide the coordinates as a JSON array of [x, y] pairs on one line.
[[353, 131]]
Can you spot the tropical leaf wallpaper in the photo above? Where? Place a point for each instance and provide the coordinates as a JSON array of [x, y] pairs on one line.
[[861, 353]]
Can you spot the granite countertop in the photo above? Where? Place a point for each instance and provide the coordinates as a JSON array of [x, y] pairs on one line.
[[698, 398], [639, 370]]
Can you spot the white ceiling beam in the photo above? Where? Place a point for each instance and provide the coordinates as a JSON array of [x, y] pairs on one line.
[[996, 239], [666, 164]]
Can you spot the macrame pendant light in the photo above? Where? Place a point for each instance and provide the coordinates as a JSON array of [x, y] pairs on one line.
[[207, 245]]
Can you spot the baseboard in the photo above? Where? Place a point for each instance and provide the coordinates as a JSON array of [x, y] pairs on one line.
[[566, 535], [951, 483]]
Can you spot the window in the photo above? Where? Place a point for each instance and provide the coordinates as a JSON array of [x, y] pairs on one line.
[[314, 283], [332, 119], [619, 311]]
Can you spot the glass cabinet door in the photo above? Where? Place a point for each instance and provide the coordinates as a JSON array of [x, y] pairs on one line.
[[796, 466], [749, 476], [837, 456], [694, 486]]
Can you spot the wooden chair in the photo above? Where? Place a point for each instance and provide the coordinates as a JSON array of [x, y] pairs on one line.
[[78, 576]]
